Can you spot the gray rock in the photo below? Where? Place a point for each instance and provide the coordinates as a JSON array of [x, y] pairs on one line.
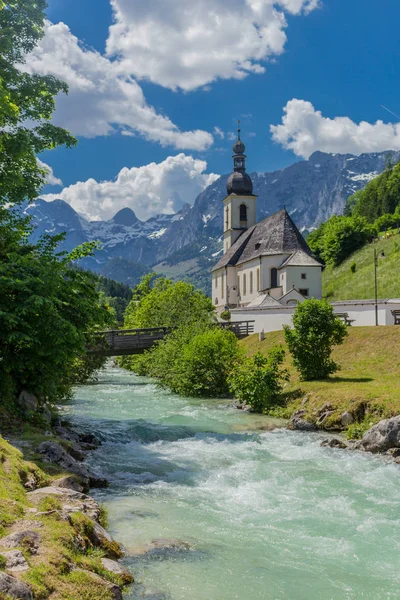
[[69, 483], [346, 419], [14, 588], [27, 402], [325, 408], [116, 568], [334, 443], [15, 561], [383, 436], [299, 423], [55, 453], [28, 538], [46, 415], [324, 416]]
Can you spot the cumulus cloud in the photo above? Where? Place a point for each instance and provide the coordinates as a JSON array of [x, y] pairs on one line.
[[305, 130], [51, 179], [181, 44], [156, 188], [103, 98]]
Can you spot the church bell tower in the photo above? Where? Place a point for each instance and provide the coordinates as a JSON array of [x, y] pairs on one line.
[[240, 203]]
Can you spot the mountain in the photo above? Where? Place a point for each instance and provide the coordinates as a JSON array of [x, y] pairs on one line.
[[187, 244]]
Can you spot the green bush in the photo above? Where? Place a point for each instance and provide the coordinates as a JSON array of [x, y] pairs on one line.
[[316, 330], [226, 315], [353, 267], [258, 380]]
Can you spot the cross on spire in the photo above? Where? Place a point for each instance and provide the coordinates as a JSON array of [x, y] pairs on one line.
[[239, 129]]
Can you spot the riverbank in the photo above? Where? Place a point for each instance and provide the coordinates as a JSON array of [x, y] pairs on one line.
[[365, 390], [53, 538]]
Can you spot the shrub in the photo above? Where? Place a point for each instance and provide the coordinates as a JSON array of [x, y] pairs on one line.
[[203, 364], [353, 267], [258, 380], [316, 330], [226, 315]]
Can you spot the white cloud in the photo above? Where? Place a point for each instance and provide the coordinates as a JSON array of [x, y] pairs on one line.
[[51, 179], [219, 133], [102, 97], [305, 130], [181, 44], [156, 188]]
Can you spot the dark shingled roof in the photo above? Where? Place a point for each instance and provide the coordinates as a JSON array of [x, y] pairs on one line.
[[276, 234]]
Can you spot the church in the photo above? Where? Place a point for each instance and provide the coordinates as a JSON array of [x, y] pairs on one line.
[[266, 264]]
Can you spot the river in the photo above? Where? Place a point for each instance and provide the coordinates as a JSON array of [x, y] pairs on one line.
[[265, 514]]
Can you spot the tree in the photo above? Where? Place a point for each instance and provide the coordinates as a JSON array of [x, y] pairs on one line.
[[315, 331], [26, 103], [336, 239], [47, 310], [258, 380]]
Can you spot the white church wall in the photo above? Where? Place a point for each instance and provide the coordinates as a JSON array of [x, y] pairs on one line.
[[268, 263], [361, 312], [249, 280], [312, 282]]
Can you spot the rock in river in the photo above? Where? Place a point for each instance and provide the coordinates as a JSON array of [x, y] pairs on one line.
[[383, 436]]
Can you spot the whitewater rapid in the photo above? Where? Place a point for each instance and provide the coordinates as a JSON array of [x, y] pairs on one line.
[[256, 511]]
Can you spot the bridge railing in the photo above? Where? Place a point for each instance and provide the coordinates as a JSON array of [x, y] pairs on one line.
[[122, 341]]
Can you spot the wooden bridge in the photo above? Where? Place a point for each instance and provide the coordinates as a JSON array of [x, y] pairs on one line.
[[127, 342]]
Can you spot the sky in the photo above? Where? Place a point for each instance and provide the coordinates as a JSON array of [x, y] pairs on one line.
[[156, 89]]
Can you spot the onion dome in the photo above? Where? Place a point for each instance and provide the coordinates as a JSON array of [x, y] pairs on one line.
[[239, 182]]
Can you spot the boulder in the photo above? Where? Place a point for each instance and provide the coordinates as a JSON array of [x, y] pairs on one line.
[[102, 539], [333, 443], [114, 567], [14, 588], [46, 415], [15, 561], [346, 419], [54, 453], [27, 402], [324, 416], [28, 538], [69, 483], [299, 423], [383, 436]]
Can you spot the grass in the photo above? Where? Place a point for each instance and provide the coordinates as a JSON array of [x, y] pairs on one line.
[[64, 569], [341, 284], [367, 384]]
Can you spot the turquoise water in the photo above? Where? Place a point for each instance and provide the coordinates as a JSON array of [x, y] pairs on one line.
[[268, 514]]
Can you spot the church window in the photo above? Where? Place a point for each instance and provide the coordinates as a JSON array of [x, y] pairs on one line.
[[243, 213], [222, 285], [216, 281], [258, 280], [244, 285], [303, 292], [251, 282], [304, 275], [216, 302], [227, 218], [274, 278]]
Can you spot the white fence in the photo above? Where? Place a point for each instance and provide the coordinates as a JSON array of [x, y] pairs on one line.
[[361, 312]]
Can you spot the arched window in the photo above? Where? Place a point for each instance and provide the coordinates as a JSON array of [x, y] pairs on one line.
[[251, 282], [238, 286], [274, 278], [216, 281], [258, 280], [244, 285], [222, 285], [227, 218], [243, 213]]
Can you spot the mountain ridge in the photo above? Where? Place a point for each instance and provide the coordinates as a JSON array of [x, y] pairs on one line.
[[190, 241]]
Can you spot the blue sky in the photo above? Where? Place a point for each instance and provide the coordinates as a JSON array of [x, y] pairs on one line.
[[341, 58]]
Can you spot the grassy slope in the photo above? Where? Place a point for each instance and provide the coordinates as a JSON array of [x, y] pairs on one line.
[[52, 572], [341, 284], [369, 375]]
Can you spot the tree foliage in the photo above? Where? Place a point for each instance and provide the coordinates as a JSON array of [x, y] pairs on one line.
[[381, 196], [316, 330], [197, 356], [26, 103], [258, 381], [336, 239], [47, 310]]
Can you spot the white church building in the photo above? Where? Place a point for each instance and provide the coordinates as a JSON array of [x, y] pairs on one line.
[[266, 264]]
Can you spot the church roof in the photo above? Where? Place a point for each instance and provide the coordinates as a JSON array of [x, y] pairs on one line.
[[301, 259], [276, 234]]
